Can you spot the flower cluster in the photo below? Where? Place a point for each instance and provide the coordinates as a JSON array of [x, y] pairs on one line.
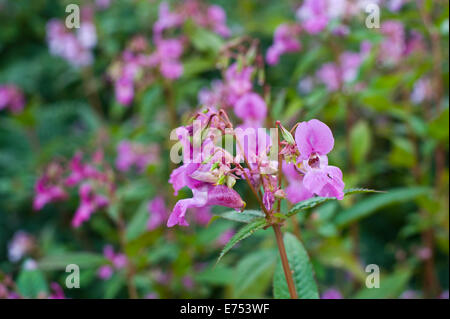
[[236, 90], [211, 171], [21, 244], [117, 261], [139, 65], [131, 154], [11, 97], [94, 181], [74, 47], [157, 213], [335, 75], [396, 44], [285, 40]]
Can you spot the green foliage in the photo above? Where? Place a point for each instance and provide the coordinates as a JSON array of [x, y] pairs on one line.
[[302, 272]]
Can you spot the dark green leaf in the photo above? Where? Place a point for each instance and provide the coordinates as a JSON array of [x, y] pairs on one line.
[[302, 272]]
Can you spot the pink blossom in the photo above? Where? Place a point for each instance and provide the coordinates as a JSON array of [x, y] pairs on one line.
[[239, 81], [117, 260], [188, 282], [21, 244], [314, 141], [332, 294], [393, 46], [329, 74], [158, 213], [46, 193], [105, 272], [285, 40], [166, 20], [225, 237], [204, 196], [11, 97], [57, 291], [251, 108], [73, 47], [295, 191], [203, 215], [135, 154], [90, 202], [313, 15], [313, 137], [218, 19]]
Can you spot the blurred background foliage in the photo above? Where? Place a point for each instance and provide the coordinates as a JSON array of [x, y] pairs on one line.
[[384, 141]]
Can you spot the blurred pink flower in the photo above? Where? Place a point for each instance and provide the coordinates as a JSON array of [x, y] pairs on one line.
[[11, 97], [158, 213], [285, 40]]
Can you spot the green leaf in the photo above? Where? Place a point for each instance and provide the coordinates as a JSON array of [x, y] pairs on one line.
[[302, 272], [246, 216], [31, 283], [390, 286], [360, 141], [242, 233], [315, 201], [253, 274], [60, 261], [219, 275], [367, 206], [138, 224]]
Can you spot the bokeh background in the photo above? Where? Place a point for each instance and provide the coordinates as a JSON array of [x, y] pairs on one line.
[[62, 104]]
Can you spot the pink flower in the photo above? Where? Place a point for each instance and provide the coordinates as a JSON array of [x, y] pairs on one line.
[[393, 46], [117, 260], [313, 15], [105, 272], [239, 81], [11, 97], [124, 89], [57, 291], [251, 108], [21, 244], [205, 196], [202, 215], [166, 20], [314, 141], [140, 155], [332, 294], [46, 193], [171, 69], [90, 202], [329, 74], [158, 213], [296, 190], [285, 40], [225, 237], [188, 282], [218, 20], [313, 137], [73, 47]]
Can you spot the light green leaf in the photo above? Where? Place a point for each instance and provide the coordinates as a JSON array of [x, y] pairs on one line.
[[138, 223], [242, 233], [360, 141], [302, 272], [253, 274], [31, 283], [246, 216], [390, 286], [60, 261], [369, 205], [219, 275], [315, 201]]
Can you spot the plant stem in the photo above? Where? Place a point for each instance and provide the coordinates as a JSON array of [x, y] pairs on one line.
[[132, 292], [285, 262]]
